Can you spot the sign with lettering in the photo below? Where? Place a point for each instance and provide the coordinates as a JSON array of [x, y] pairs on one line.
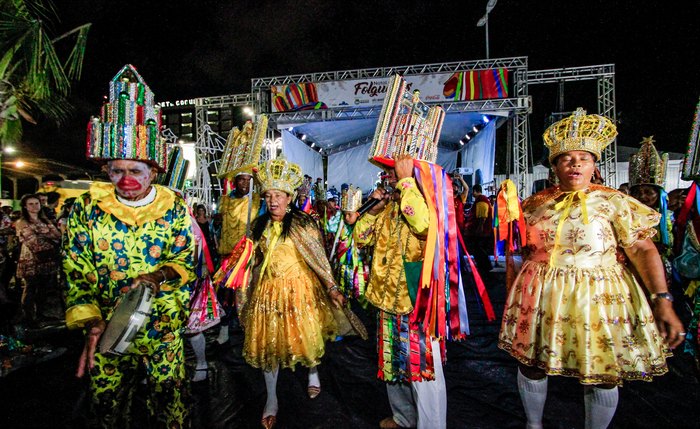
[[440, 87]]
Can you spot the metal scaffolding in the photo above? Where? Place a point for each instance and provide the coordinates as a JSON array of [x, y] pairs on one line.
[[604, 75], [209, 145]]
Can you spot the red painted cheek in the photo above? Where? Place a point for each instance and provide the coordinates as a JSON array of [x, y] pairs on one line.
[[128, 183]]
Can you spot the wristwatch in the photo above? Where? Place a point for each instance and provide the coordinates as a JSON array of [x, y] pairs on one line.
[[664, 295]]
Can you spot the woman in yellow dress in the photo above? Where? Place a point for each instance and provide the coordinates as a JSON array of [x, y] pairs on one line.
[[289, 316], [574, 310]]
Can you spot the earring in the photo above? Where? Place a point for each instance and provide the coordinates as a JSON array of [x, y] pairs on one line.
[[288, 209]]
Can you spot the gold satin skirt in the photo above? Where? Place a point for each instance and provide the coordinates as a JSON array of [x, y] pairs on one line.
[[287, 321], [594, 324]]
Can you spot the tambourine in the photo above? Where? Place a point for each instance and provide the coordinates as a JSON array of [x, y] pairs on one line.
[[129, 317]]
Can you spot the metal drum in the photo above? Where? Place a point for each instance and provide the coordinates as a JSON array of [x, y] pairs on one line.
[[129, 317]]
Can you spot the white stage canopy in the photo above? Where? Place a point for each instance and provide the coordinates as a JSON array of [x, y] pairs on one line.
[[351, 166]]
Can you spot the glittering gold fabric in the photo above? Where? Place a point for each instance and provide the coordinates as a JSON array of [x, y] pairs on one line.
[[573, 309], [288, 317], [235, 214], [398, 229]]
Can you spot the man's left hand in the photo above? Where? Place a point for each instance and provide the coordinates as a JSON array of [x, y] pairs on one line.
[[151, 280]]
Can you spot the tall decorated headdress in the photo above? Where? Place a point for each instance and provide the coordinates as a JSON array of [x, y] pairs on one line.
[[590, 133], [129, 123], [406, 125], [691, 162], [243, 147], [279, 174], [350, 199], [647, 167], [176, 173]]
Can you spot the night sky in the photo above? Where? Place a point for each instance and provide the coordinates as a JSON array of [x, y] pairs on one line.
[[187, 49]]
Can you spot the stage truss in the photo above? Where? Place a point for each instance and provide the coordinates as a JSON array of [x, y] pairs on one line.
[[209, 145]]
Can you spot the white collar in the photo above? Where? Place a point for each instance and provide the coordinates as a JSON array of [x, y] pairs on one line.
[[148, 199]]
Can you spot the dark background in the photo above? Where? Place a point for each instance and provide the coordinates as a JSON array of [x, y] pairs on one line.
[[187, 49]]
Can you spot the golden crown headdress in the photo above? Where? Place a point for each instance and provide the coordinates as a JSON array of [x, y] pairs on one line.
[[647, 167], [590, 133], [279, 174], [350, 199], [406, 125], [243, 147]]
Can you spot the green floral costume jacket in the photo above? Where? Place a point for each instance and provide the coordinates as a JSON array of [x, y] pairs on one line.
[[107, 244]]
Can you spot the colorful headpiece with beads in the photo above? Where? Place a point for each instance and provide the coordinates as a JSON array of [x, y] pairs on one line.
[[406, 125], [129, 123], [279, 174], [691, 163], [350, 199], [243, 147], [176, 174], [590, 133], [647, 167]]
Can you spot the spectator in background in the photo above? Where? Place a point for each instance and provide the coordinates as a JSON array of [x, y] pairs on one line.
[[460, 191], [624, 188], [479, 231], [38, 262], [49, 208], [65, 211], [5, 230]]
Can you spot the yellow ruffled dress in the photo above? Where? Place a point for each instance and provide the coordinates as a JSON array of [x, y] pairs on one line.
[[574, 310], [288, 317]]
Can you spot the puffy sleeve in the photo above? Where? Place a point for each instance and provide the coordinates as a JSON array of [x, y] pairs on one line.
[[632, 221], [363, 233], [413, 206], [181, 253], [81, 273]]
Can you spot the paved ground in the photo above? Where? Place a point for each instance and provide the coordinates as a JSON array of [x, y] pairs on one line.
[[480, 382]]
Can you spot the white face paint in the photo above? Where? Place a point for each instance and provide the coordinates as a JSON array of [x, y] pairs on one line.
[[132, 179]]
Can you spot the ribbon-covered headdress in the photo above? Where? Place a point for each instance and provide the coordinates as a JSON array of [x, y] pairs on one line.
[[406, 125], [129, 123], [243, 147]]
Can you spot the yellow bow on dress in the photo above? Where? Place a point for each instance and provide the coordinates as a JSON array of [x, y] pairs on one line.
[[564, 206], [272, 233]]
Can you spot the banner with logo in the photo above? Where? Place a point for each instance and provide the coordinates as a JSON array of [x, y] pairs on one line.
[[441, 87]]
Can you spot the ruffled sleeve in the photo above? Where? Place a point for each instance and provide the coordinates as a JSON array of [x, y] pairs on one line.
[[632, 220]]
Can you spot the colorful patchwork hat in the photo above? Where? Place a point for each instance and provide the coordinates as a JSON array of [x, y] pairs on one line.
[[406, 125], [129, 123]]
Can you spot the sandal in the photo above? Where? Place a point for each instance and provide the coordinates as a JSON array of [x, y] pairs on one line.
[[389, 423], [268, 422], [313, 391]]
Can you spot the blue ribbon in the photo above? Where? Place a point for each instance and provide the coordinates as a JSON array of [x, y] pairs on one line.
[[663, 197]]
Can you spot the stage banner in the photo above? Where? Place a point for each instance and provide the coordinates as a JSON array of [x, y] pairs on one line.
[[440, 87]]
